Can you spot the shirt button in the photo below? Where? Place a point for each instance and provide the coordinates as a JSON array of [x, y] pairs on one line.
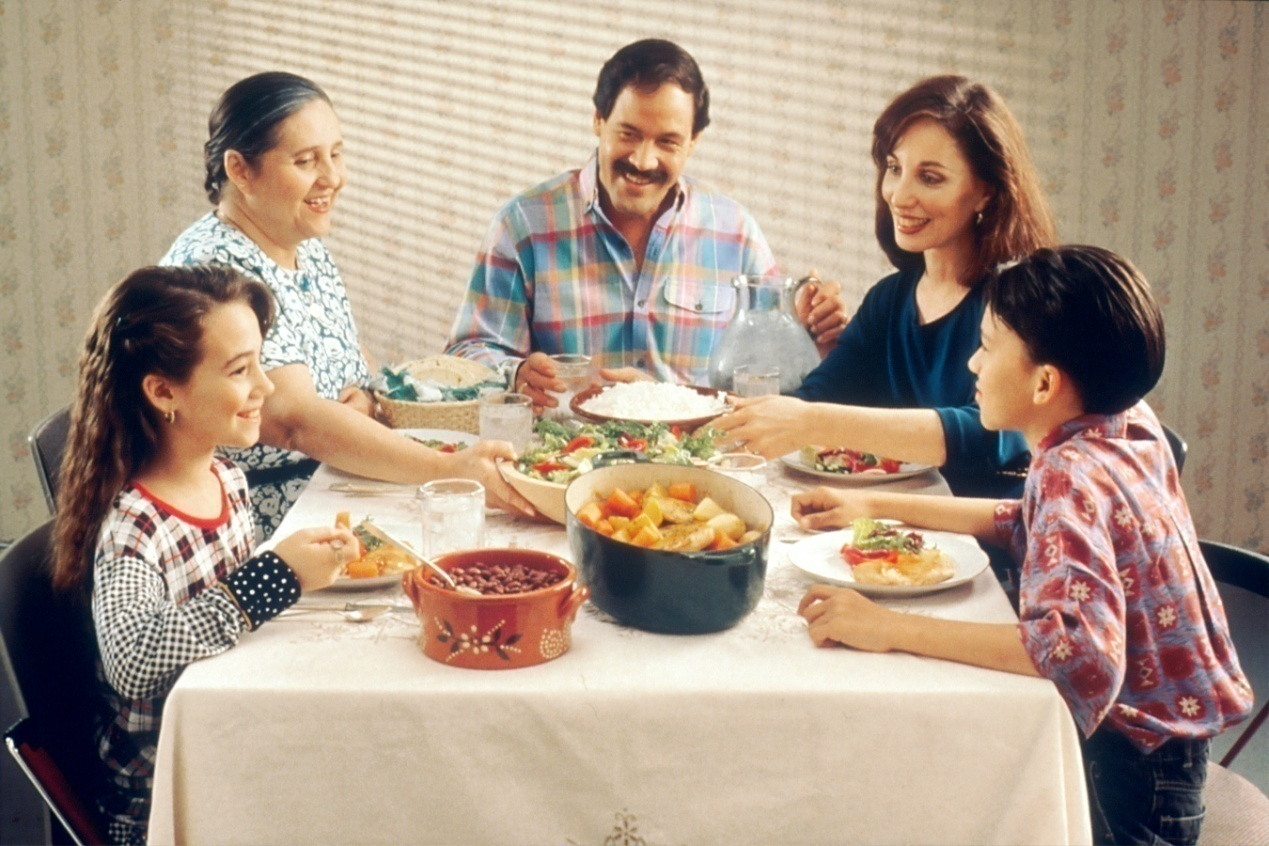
[[641, 363], [641, 303]]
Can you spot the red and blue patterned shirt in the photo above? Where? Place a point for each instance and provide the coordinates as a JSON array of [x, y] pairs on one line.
[[554, 275], [1117, 606]]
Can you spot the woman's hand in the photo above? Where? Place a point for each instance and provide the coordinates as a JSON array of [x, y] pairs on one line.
[[822, 508], [480, 462], [841, 615], [318, 555], [769, 426], [358, 400], [821, 309]]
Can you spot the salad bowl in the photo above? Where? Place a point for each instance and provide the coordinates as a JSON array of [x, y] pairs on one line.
[[544, 470]]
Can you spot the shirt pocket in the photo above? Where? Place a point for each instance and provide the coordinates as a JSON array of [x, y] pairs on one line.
[[696, 302]]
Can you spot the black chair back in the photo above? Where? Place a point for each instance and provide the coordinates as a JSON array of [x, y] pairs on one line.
[[1242, 568], [48, 652], [48, 441]]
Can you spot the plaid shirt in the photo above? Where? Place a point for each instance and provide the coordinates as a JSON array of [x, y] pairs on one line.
[[554, 275], [1117, 606], [154, 614]]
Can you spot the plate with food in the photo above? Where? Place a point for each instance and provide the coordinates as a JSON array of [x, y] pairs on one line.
[[442, 440], [851, 466], [883, 558], [380, 565], [685, 406]]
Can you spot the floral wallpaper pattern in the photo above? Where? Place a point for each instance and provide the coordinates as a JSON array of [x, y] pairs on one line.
[[1141, 115]]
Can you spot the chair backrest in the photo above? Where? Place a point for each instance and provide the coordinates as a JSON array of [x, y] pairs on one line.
[[27, 742], [48, 441], [1179, 447], [1242, 568], [49, 653]]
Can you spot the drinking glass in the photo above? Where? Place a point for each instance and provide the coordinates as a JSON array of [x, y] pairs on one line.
[[507, 417], [744, 466], [755, 380], [574, 372], [453, 515]]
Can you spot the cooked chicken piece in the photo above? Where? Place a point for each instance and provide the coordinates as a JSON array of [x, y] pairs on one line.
[[685, 537], [676, 510]]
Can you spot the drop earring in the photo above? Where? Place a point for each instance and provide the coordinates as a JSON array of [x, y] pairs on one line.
[[170, 415]]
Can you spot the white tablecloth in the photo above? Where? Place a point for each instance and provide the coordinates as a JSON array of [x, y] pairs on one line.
[[314, 730]]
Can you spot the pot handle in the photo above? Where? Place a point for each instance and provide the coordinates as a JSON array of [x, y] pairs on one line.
[[410, 587], [619, 456], [573, 601]]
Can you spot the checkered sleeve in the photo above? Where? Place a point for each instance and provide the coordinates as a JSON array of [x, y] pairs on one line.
[[145, 638]]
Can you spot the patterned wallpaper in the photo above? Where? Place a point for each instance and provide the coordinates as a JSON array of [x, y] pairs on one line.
[[1140, 115]]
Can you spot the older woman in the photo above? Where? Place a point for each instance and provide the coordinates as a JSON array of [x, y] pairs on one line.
[[275, 167], [956, 195]]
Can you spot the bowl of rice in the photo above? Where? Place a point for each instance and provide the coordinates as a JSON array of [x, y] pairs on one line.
[[685, 406]]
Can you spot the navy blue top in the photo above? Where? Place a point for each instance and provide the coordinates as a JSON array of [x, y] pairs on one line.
[[886, 358]]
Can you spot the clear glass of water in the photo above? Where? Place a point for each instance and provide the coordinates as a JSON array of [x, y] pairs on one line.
[[744, 466], [507, 417], [755, 380], [574, 372], [453, 515]]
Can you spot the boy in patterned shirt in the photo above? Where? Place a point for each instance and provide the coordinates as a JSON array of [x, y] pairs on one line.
[[1117, 606]]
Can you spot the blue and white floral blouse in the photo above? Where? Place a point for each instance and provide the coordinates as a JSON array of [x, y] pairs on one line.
[[314, 327]]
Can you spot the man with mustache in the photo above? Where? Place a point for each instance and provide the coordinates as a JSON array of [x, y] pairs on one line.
[[625, 260]]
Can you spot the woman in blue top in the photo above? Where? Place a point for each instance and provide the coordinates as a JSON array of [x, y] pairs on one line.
[[957, 194]]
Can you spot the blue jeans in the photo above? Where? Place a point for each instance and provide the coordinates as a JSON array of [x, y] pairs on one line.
[[1135, 798]]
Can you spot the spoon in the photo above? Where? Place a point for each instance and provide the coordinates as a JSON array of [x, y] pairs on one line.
[[351, 613], [383, 535]]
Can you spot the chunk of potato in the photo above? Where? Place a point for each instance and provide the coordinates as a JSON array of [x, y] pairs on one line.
[[707, 509], [727, 524], [750, 536]]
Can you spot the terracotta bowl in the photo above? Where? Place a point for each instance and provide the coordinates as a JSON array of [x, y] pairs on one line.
[[672, 592], [496, 632]]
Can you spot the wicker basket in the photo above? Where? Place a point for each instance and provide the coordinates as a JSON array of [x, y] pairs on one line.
[[446, 370]]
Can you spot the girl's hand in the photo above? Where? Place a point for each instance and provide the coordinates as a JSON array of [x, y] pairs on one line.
[[480, 462], [317, 556], [841, 615], [822, 508], [769, 426]]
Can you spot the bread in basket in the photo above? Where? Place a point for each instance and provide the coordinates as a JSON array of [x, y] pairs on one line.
[[446, 370]]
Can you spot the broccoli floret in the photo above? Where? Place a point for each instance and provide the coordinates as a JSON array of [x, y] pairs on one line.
[[703, 442]]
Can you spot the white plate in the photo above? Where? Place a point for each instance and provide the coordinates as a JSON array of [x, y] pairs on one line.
[[410, 533], [820, 558], [906, 471]]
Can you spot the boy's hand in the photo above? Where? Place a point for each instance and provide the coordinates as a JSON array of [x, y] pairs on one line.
[[824, 508], [317, 555], [841, 615]]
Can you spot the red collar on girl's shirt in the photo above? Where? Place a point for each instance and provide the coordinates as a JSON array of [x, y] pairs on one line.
[[198, 522]]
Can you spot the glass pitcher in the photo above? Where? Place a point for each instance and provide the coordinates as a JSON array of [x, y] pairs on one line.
[[764, 329]]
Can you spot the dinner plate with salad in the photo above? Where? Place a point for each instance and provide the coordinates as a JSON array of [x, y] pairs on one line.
[[884, 558], [851, 466]]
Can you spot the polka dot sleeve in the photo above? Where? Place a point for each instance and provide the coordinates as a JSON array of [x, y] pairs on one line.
[[262, 588]]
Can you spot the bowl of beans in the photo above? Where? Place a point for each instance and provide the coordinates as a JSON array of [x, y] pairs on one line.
[[518, 610]]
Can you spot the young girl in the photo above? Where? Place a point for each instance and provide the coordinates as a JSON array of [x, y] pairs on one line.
[[152, 522], [1117, 605]]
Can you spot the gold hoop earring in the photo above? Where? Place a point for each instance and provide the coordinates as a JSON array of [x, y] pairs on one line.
[[170, 416]]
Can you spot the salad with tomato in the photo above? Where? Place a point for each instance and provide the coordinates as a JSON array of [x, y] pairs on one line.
[[875, 541], [842, 460], [568, 451]]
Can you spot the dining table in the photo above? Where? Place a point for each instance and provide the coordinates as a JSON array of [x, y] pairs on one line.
[[315, 729]]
